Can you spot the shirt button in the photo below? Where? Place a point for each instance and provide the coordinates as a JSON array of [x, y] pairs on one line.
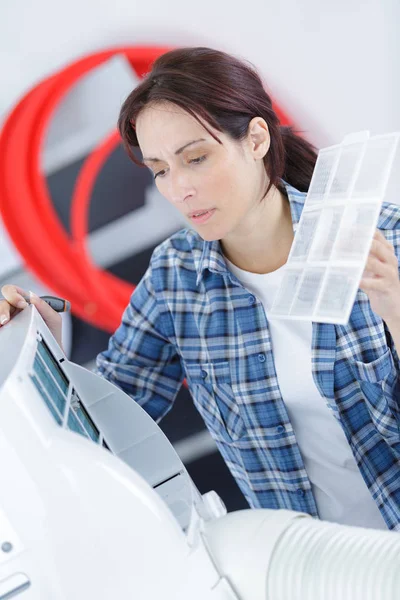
[[261, 357], [252, 299], [204, 374], [280, 429], [300, 492]]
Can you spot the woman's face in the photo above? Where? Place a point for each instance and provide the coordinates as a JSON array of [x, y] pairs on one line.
[[217, 187]]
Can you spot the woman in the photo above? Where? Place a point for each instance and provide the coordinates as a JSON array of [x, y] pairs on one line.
[[306, 415]]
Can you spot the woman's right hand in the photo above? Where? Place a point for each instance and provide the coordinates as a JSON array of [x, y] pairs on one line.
[[14, 301]]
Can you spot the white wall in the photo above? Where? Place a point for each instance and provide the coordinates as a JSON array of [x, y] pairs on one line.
[[334, 65]]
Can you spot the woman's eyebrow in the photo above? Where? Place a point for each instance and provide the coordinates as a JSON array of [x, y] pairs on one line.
[[179, 151]]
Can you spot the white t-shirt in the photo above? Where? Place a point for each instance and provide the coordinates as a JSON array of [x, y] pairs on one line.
[[340, 492]]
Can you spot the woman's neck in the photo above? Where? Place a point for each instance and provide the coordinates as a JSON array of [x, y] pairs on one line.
[[262, 244]]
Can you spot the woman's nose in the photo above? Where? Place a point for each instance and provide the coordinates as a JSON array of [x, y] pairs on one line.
[[181, 187]]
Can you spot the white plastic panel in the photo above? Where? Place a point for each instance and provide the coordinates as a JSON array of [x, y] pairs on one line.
[[326, 233], [338, 292], [349, 159], [356, 232], [322, 176], [305, 236], [13, 585], [375, 167], [335, 232], [308, 292]]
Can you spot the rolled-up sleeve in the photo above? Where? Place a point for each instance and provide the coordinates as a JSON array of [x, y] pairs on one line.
[[140, 358]]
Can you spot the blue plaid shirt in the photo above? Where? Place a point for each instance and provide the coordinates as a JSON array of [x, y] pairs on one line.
[[191, 317]]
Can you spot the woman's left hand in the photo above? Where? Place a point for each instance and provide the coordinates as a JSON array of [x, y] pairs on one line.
[[380, 279]]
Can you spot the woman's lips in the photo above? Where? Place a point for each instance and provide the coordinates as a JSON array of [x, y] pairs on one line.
[[204, 217]]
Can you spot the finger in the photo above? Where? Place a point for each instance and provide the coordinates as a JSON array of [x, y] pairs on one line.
[[368, 284], [6, 311], [381, 245], [15, 295], [376, 268], [51, 317], [378, 235], [384, 252]]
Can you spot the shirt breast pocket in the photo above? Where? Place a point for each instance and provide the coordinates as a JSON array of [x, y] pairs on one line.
[[210, 386], [378, 381]]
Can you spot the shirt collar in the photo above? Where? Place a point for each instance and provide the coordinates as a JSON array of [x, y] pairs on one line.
[[212, 258]]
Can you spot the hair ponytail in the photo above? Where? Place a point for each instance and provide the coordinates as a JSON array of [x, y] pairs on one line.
[[300, 158]]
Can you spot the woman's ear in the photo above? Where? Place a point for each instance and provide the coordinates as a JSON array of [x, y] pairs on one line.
[[258, 137]]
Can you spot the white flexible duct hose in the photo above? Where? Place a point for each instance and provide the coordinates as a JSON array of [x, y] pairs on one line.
[[315, 560], [285, 555]]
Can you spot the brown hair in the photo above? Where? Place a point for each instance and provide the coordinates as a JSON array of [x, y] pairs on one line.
[[227, 94]]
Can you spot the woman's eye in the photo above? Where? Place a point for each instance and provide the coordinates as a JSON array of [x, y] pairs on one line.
[[195, 161], [198, 160]]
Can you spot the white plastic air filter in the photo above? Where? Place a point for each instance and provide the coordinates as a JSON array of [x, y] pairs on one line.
[[336, 228]]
